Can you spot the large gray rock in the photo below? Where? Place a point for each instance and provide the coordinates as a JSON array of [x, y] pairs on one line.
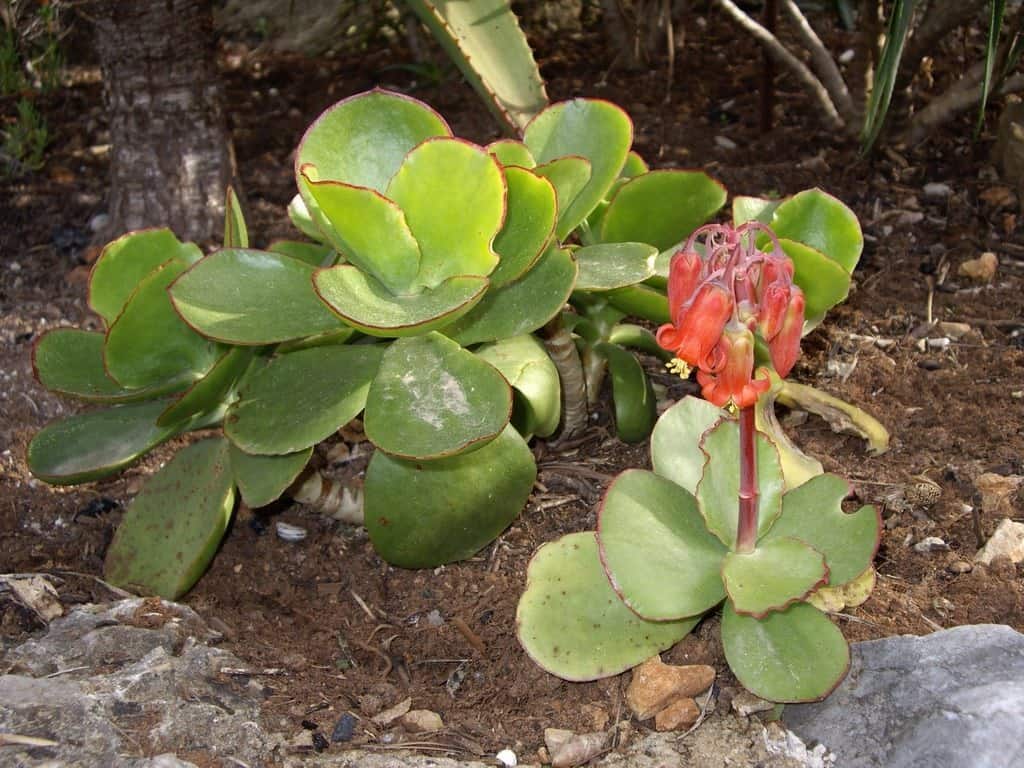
[[952, 699]]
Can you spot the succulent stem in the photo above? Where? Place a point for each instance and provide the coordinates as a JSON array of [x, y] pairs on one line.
[[746, 531]]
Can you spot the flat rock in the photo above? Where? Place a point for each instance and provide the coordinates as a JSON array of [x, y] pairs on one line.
[[1006, 541], [951, 699], [681, 713], [656, 684], [998, 493]]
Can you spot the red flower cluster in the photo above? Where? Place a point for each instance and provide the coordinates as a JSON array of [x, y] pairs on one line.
[[719, 300]]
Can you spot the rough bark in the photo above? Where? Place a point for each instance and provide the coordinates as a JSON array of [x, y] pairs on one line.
[[171, 156]]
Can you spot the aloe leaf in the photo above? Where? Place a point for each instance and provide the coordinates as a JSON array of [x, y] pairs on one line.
[[510, 152], [236, 233], [817, 219], [95, 444], [779, 572], [365, 304], [814, 513], [149, 343], [607, 266], [525, 364], [635, 405], [522, 306], [454, 223], [421, 514], [995, 26], [171, 530], [262, 479], [900, 16], [368, 229], [719, 487], [432, 398], [824, 282], [363, 140], [640, 301], [789, 656], [528, 227], [485, 41], [314, 254], [675, 441], [840, 415], [597, 130], [571, 622], [568, 175], [746, 209], [126, 261], [210, 392], [300, 398], [658, 553], [70, 362], [661, 207], [251, 297]]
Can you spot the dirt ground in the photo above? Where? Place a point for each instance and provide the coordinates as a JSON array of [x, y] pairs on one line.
[[352, 634]]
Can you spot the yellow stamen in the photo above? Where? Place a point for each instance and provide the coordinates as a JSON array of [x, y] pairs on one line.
[[679, 367]]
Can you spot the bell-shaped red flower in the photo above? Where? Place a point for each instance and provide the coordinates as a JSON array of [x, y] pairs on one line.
[[684, 273], [726, 375], [700, 324], [784, 347], [774, 302]]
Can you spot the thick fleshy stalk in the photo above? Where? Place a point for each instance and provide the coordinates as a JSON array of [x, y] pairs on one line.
[[746, 528]]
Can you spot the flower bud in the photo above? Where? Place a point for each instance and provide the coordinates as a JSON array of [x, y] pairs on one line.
[[774, 302], [684, 274], [727, 375], [784, 348], [702, 322]]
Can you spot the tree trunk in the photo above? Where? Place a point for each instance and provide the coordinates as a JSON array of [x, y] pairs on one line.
[[171, 156]]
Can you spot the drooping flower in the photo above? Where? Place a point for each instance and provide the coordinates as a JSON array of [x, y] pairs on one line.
[[727, 375], [784, 347]]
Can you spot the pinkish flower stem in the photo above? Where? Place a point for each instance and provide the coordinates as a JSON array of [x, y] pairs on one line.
[[746, 530]]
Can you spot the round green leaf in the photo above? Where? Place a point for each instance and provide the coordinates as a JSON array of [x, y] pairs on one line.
[[675, 441], [661, 207], [251, 297], [573, 625], [300, 398], [822, 280], [510, 152], [746, 209], [453, 196], [364, 303], [814, 513], [212, 391], [719, 488], [528, 226], [659, 555], [522, 306], [421, 514], [70, 362], [596, 130], [126, 261], [789, 656], [95, 444], [635, 405], [524, 362], [314, 254], [149, 343], [171, 530], [607, 266], [302, 219], [364, 139], [262, 479], [779, 572], [568, 175], [635, 166], [639, 338], [432, 398], [640, 301], [819, 220]]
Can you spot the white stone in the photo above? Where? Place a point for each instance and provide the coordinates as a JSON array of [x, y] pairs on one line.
[[507, 758], [1007, 541]]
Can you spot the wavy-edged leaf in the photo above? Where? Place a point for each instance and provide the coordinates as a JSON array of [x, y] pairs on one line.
[[528, 227], [675, 441], [817, 219], [126, 261], [636, 407], [149, 342], [421, 514], [568, 175], [171, 530], [522, 306], [597, 130], [789, 656], [780, 571], [657, 551], [573, 625], [814, 513], [251, 297], [607, 266], [432, 398], [453, 196], [365, 304], [719, 487], [661, 207], [262, 479], [70, 362], [300, 398], [95, 444], [527, 367]]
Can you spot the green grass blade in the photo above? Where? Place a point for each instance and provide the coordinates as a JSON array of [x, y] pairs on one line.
[[995, 26], [888, 67]]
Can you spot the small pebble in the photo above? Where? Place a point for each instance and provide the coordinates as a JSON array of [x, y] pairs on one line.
[[507, 758], [289, 532], [344, 728], [935, 190], [960, 566], [434, 618], [724, 142], [930, 544], [320, 742]]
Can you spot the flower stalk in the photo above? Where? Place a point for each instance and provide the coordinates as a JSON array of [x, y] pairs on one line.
[[746, 530]]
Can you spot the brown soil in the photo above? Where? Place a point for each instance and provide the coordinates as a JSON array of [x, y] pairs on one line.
[[353, 634]]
